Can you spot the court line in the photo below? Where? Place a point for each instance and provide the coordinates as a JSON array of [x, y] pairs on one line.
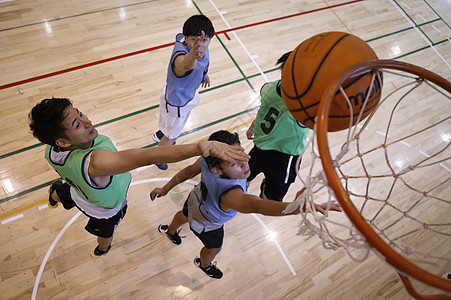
[[220, 13], [277, 244], [47, 255], [20, 209], [419, 31], [13, 84], [73, 16], [229, 83], [336, 15], [72, 220]]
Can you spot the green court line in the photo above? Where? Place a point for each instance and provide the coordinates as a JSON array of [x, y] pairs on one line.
[[399, 31], [416, 25], [40, 186], [245, 78], [437, 14]]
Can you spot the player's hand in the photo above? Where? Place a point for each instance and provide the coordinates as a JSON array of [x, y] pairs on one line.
[[230, 153], [196, 50], [157, 193], [333, 207], [206, 82], [250, 132]]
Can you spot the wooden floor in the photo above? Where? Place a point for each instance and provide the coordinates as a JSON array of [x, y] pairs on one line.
[[110, 58]]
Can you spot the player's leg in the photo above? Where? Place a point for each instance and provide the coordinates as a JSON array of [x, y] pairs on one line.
[[255, 162], [212, 241], [172, 230], [59, 192], [280, 173], [104, 230]]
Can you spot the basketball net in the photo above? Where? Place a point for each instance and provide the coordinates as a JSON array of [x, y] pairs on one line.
[[391, 175]]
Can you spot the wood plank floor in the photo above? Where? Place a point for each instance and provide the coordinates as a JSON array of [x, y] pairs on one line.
[[110, 58]]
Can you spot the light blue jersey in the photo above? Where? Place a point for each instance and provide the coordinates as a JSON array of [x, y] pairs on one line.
[[181, 90], [216, 187]]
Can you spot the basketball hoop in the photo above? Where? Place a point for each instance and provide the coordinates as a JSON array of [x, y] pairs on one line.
[[390, 200]]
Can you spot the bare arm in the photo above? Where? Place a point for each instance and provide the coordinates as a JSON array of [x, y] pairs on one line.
[[236, 199], [185, 62], [250, 131], [106, 163], [183, 175], [245, 203]]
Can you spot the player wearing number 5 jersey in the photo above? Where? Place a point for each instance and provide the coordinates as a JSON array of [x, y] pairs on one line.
[[278, 141]]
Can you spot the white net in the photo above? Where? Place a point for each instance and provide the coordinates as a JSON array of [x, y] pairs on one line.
[[395, 168]]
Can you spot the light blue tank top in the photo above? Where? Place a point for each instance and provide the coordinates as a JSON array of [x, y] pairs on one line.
[[215, 188], [181, 90]]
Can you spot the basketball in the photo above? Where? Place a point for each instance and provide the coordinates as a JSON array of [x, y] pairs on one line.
[[316, 62]]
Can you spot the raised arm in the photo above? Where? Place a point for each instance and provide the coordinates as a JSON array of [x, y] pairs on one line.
[[183, 175], [106, 163], [185, 62]]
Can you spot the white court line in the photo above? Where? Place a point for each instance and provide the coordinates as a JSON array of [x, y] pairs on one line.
[[239, 41], [405, 5], [47, 255], [12, 218], [421, 17], [277, 244], [419, 32], [52, 246], [436, 29]]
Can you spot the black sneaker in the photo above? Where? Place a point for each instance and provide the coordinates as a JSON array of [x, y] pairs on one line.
[[162, 167], [52, 203], [96, 253], [175, 238], [211, 270], [157, 136]]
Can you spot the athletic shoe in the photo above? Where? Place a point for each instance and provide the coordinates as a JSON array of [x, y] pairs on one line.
[[175, 238], [157, 136], [96, 253], [52, 203], [162, 167], [211, 270]]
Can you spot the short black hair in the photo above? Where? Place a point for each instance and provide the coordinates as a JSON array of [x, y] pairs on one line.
[[196, 24], [281, 61], [224, 137], [46, 120]]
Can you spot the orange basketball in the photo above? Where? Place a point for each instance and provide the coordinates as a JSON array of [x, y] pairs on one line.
[[314, 64]]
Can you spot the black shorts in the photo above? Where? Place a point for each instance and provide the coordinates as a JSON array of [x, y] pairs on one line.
[[103, 228], [279, 170], [210, 239]]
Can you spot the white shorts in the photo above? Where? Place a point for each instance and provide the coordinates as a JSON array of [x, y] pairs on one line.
[[172, 120]]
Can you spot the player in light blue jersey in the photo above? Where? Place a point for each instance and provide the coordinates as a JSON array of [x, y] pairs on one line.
[[187, 70], [221, 194]]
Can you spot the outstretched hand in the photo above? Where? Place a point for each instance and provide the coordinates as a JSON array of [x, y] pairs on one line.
[[157, 193], [230, 153], [333, 207]]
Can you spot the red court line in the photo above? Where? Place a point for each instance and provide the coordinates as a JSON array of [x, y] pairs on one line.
[[5, 86], [287, 17]]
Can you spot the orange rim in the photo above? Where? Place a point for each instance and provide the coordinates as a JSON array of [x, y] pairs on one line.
[[392, 257]]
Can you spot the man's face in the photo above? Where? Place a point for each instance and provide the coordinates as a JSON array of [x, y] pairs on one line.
[[236, 170], [79, 130], [191, 40]]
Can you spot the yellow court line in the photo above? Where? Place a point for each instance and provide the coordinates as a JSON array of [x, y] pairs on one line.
[[349, 30], [20, 209]]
